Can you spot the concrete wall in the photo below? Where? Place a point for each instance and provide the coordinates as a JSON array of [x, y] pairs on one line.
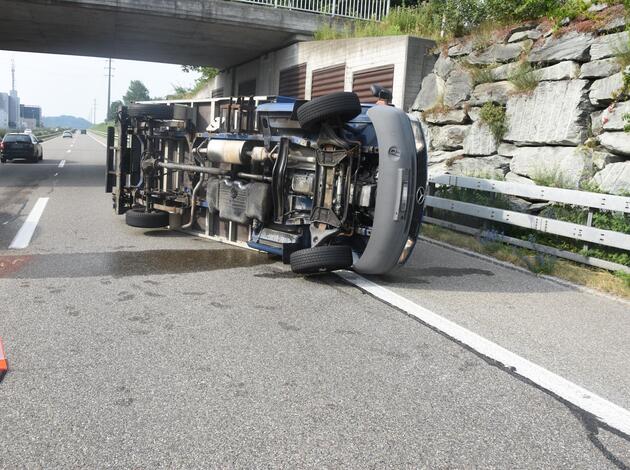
[[409, 56], [216, 33]]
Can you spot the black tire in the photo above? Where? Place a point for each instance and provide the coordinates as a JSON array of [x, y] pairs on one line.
[[141, 219], [150, 111], [321, 259], [33, 159], [342, 105]]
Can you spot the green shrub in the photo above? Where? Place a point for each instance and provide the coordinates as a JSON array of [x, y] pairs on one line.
[[540, 263], [480, 73], [474, 196], [553, 179], [494, 117], [625, 277], [457, 17], [524, 77]]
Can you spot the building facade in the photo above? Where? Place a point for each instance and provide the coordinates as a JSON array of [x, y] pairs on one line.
[[14, 110], [4, 111], [306, 70], [31, 116]]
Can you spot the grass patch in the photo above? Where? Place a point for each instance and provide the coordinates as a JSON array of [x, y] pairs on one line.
[[552, 179], [102, 127], [524, 77], [494, 117], [473, 196], [480, 73], [604, 281]]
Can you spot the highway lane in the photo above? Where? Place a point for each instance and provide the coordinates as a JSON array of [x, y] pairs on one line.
[[121, 357]]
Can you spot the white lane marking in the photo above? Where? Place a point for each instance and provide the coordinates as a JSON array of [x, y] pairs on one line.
[[607, 412], [24, 235], [62, 163], [96, 140]]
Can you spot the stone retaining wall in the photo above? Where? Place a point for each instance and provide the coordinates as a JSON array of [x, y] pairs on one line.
[[566, 129]]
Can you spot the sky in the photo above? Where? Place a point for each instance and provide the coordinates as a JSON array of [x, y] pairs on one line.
[[63, 84]]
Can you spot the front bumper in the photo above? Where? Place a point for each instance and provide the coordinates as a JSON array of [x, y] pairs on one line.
[[396, 205]]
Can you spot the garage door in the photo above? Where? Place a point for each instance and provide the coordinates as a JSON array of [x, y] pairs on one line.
[[328, 80], [293, 82], [362, 80], [247, 88]]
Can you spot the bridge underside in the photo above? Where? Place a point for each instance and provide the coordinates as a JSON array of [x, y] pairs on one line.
[[218, 33]]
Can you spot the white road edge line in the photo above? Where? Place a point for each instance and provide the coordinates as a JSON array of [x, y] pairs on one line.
[[24, 235], [96, 140], [607, 412], [62, 163]]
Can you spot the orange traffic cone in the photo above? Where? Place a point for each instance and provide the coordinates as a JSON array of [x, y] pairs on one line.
[[3, 361]]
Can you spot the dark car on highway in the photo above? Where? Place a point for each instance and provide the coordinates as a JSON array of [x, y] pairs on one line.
[[21, 147]]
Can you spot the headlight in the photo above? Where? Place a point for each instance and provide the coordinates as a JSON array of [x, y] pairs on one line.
[[418, 134]]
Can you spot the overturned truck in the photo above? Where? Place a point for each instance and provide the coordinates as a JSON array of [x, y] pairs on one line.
[[325, 184]]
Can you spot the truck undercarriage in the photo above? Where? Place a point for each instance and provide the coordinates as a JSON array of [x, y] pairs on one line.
[[325, 184]]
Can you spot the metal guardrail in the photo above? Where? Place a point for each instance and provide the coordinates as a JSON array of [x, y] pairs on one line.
[[585, 233], [356, 9], [44, 138]]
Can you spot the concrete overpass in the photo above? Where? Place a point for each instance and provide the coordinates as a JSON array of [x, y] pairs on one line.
[[219, 33]]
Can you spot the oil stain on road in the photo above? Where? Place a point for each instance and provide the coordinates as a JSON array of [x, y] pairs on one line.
[[128, 263]]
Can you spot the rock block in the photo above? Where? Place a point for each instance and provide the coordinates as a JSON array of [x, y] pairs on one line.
[[556, 113], [459, 87], [615, 178], [616, 142], [448, 137], [479, 141], [609, 45], [566, 165], [604, 90], [498, 92], [600, 68], [571, 46], [431, 93]]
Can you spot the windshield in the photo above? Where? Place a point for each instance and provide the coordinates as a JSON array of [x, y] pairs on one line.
[[17, 138]]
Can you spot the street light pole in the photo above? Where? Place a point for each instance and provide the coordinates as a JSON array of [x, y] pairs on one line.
[[109, 89]]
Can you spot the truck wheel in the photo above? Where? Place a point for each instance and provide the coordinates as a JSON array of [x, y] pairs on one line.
[[321, 259], [150, 111], [141, 219], [341, 105]]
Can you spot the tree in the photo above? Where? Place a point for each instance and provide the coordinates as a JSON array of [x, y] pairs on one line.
[[136, 92], [207, 73], [113, 109]]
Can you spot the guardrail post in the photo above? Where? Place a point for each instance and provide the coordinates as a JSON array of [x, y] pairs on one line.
[[589, 223], [430, 192], [334, 7]]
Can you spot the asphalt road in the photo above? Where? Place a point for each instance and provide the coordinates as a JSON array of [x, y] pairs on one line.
[[148, 349]]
